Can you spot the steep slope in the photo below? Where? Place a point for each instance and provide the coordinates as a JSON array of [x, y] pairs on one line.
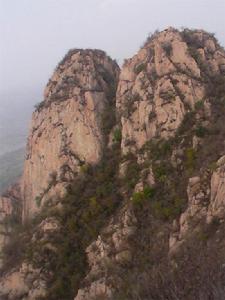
[[67, 127], [128, 206]]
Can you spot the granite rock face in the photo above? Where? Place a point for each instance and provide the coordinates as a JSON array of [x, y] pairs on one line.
[[5, 211], [10, 208], [110, 249], [161, 83], [66, 131], [205, 204], [23, 283]]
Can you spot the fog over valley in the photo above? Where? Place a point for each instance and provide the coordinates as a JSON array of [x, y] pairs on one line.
[[15, 114]]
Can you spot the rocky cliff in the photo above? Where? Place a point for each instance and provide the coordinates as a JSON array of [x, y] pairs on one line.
[[123, 184], [10, 214], [67, 131], [164, 81]]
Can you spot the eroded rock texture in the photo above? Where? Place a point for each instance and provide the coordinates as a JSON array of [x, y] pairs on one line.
[[10, 212], [66, 131], [111, 249], [161, 83]]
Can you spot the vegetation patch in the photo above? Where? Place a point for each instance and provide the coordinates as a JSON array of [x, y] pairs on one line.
[[167, 47], [199, 105], [90, 202], [140, 68], [201, 131], [39, 106], [117, 135], [138, 198], [132, 174]]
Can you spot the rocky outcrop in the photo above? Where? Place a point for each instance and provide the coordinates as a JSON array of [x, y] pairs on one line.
[[205, 205], [5, 211], [217, 204], [23, 283], [194, 214], [10, 212], [163, 82], [111, 249], [27, 281], [67, 131]]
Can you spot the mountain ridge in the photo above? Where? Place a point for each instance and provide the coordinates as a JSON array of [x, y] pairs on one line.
[[123, 186]]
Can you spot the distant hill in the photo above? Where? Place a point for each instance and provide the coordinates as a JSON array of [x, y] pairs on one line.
[[11, 167]]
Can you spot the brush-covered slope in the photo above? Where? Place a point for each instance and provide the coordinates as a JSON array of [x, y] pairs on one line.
[[167, 240]]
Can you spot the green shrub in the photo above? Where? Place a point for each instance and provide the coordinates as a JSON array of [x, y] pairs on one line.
[[84, 168], [160, 211], [167, 95], [192, 40], [215, 223], [201, 131], [129, 142], [199, 105], [135, 97], [160, 173], [12, 252], [53, 178], [129, 106], [152, 115], [167, 47], [148, 192], [108, 119], [140, 67], [213, 166], [195, 54], [38, 200], [39, 106], [158, 149], [187, 123], [203, 236], [215, 88], [138, 198], [178, 206], [132, 174], [94, 205], [165, 148], [150, 37], [117, 135], [190, 158], [167, 211]]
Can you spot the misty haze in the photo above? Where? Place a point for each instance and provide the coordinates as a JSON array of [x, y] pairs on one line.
[[15, 115]]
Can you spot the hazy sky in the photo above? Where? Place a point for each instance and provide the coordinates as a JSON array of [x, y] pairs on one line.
[[36, 34]]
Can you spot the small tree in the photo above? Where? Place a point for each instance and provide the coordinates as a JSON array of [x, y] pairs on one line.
[[117, 135]]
